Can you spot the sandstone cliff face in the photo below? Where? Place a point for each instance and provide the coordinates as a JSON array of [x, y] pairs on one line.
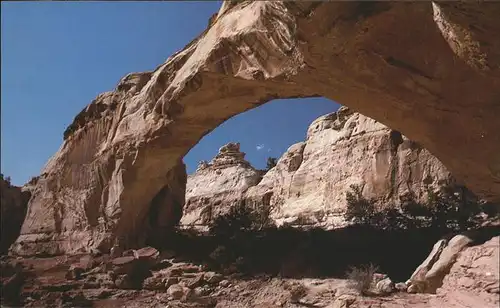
[[218, 185], [82, 224], [310, 181], [439, 86], [13, 204]]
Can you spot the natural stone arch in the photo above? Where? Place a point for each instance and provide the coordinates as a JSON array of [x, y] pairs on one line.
[[391, 61]]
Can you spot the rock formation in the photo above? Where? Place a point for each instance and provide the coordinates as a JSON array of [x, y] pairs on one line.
[[310, 181], [430, 70], [13, 205], [308, 185], [218, 185], [464, 269]]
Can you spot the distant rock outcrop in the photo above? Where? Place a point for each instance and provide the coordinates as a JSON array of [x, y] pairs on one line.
[[308, 185], [217, 185]]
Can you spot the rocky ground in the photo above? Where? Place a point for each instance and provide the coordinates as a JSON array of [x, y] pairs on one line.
[[178, 285], [149, 278]]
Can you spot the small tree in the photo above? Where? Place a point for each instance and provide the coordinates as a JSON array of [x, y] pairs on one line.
[[238, 219], [360, 211], [271, 163], [6, 179], [241, 218], [453, 207]]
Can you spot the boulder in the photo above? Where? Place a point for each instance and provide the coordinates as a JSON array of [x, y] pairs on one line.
[[429, 275], [418, 276], [212, 277], [176, 291], [401, 286], [124, 265], [155, 283], [343, 301], [148, 255], [385, 286]]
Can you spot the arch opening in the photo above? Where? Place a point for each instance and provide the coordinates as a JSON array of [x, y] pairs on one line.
[[229, 180]]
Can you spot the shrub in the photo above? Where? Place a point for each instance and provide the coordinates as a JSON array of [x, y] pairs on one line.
[[271, 163], [6, 179], [221, 256], [360, 210], [361, 278], [297, 291], [235, 233], [241, 218], [453, 207]]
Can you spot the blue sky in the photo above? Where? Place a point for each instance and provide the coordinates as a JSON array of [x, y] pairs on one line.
[[58, 56]]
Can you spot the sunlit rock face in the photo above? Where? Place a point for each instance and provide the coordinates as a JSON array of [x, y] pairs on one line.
[[438, 86], [308, 185], [217, 186]]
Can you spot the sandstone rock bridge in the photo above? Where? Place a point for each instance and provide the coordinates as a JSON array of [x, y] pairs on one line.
[[428, 69]]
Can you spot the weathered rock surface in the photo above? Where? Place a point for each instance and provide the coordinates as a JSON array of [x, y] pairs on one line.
[[475, 276], [439, 86], [13, 205], [218, 185], [461, 269], [99, 223], [310, 181], [462, 272]]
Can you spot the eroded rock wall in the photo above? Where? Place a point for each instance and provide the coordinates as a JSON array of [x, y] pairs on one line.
[[13, 204], [218, 185]]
